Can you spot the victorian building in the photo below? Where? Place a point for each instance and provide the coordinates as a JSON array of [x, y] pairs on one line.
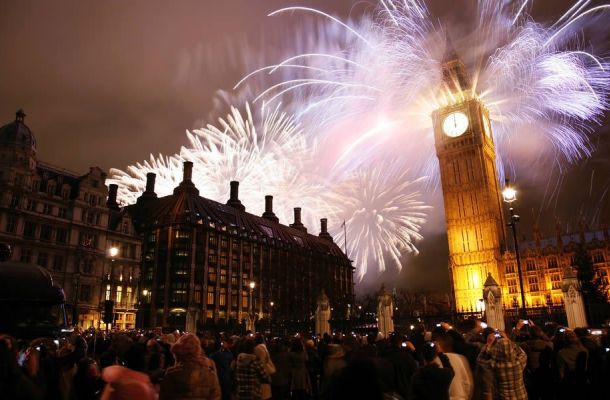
[[61, 221], [208, 263], [543, 261]]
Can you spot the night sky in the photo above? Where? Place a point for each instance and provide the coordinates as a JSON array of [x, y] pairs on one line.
[[106, 83]]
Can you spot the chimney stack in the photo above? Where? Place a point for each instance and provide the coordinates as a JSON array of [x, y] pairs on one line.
[[297, 220], [187, 173], [113, 188], [269, 209], [324, 230], [150, 182], [234, 197], [187, 183], [149, 193]]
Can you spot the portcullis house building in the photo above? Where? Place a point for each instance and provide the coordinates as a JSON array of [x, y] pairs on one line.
[[210, 264]]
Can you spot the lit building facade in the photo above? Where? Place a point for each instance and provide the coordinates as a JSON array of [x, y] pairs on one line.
[[475, 215], [543, 261], [473, 206], [208, 263], [61, 221]]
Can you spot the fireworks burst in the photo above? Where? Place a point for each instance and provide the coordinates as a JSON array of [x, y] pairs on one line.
[[543, 87], [384, 213], [363, 91]]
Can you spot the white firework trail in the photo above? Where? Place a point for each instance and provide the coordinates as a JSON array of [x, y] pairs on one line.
[[383, 213], [132, 182], [544, 88], [265, 151]]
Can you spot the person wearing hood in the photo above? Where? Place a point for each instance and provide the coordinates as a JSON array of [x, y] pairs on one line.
[[193, 376], [250, 373], [507, 361]]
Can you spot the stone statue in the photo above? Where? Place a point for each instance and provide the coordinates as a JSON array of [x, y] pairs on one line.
[[322, 314], [492, 296], [572, 299], [385, 312]]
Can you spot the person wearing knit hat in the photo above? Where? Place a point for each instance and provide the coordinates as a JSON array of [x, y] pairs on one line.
[[193, 376]]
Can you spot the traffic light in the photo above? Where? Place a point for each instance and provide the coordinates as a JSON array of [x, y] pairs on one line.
[[108, 311]]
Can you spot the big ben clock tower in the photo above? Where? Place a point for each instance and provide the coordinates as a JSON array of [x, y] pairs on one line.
[[473, 208]]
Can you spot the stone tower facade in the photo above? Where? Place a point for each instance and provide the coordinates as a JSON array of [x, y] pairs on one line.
[[473, 206]]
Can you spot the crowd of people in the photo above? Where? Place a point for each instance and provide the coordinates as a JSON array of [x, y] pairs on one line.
[[470, 361]]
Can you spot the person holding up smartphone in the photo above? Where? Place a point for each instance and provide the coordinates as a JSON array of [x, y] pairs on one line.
[[506, 361]]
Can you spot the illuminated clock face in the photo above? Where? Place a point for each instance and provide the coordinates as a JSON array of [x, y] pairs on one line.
[[487, 126], [455, 124]]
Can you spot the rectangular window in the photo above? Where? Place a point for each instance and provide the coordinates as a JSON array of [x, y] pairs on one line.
[[62, 212], [61, 235], [47, 209], [510, 268], [15, 200], [85, 293], [223, 296], [65, 193], [533, 283], [223, 276], [210, 295], [180, 234], [598, 258], [58, 262], [119, 294], [552, 262], [224, 261], [512, 286], [43, 259], [29, 230], [30, 205], [88, 266], [108, 292], [556, 281], [11, 224], [45, 232], [531, 265]]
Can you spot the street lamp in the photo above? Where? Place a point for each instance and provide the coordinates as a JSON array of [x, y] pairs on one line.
[[510, 195], [75, 286], [113, 251], [271, 316], [251, 308]]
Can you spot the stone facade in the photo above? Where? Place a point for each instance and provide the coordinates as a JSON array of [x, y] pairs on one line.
[[544, 260], [472, 202], [61, 221]]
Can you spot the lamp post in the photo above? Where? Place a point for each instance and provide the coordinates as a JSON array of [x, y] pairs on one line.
[[510, 195], [251, 308], [271, 317], [113, 252], [76, 285]]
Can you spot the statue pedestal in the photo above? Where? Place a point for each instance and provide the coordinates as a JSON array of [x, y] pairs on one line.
[[385, 313], [492, 296], [322, 315], [572, 299]]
